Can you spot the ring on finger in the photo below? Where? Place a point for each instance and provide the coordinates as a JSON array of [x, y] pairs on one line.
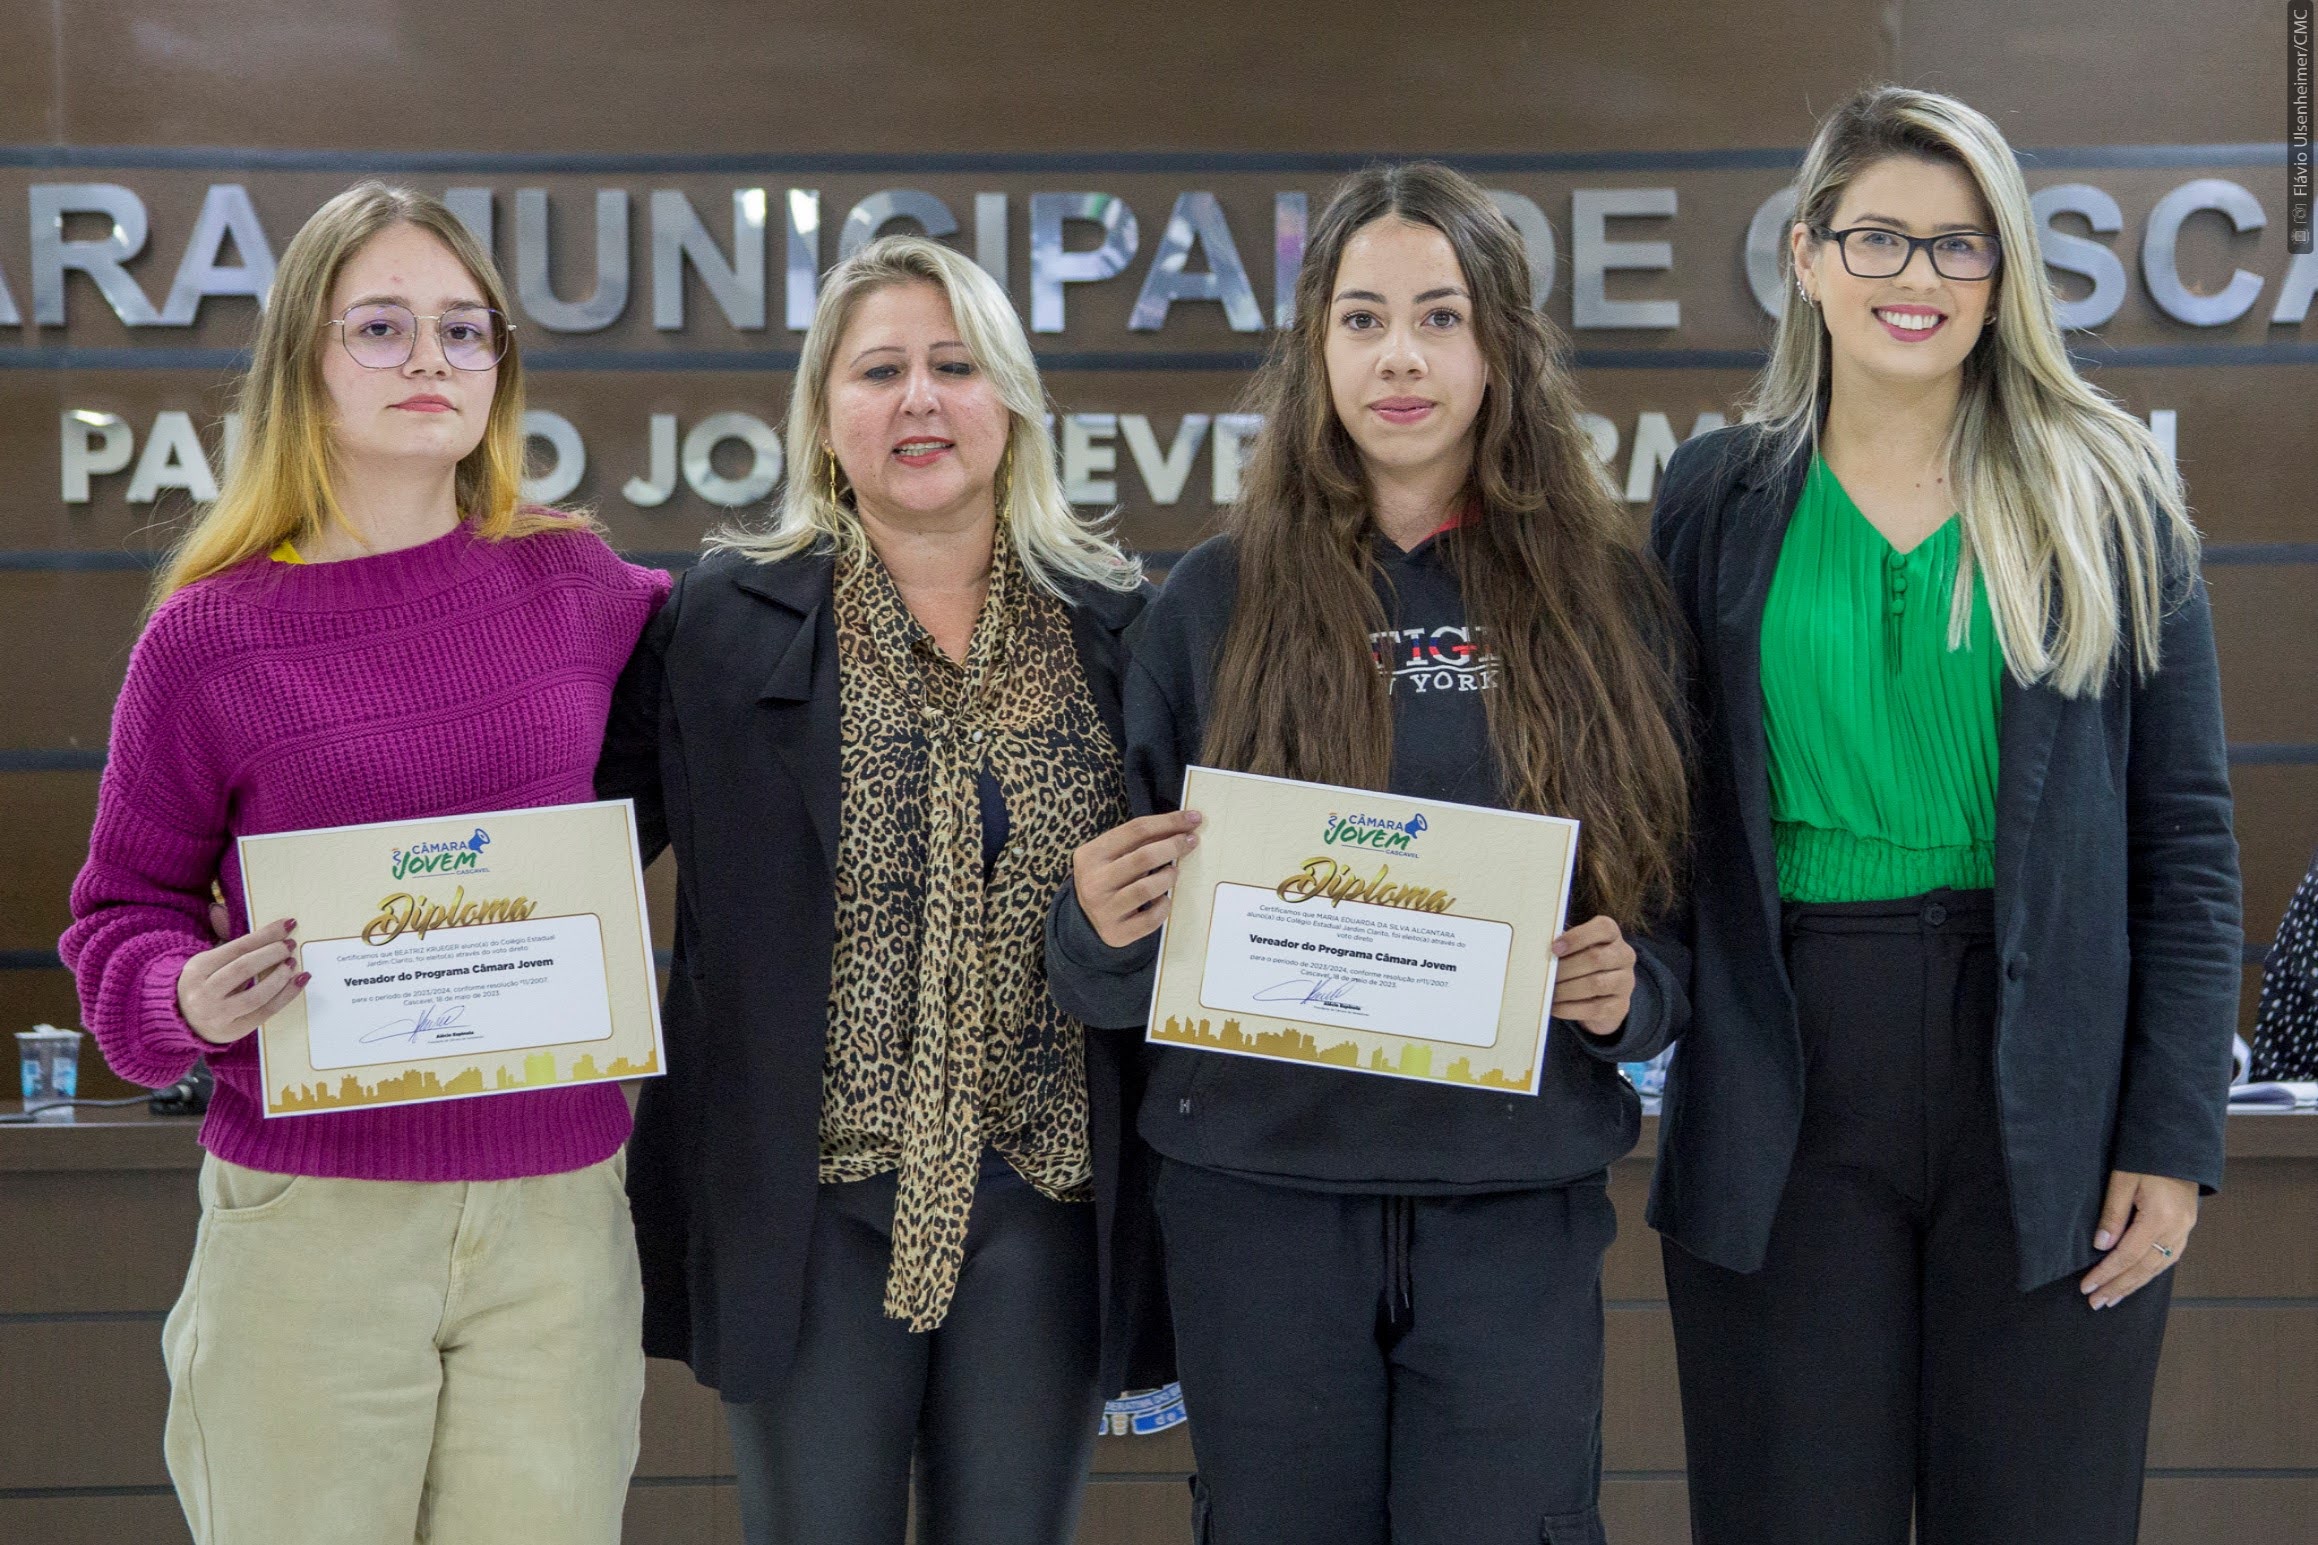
[[2162, 1250]]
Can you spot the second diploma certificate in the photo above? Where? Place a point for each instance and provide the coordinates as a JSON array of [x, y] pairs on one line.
[[1404, 937]]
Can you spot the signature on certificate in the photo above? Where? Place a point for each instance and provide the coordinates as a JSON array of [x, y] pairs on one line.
[[449, 1017], [1323, 990]]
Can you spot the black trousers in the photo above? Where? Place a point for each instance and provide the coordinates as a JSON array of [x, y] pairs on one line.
[[1361, 1369], [1884, 1365], [998, 1404]]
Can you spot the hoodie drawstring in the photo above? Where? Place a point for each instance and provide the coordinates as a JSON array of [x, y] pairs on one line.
[[1400, 1214]]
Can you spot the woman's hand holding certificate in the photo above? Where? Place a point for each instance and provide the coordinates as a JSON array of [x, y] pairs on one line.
[[227, 992], [1596, 983], [1124, 876]]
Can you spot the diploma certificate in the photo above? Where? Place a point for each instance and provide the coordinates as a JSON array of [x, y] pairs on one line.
[[1404, 937], [459, 956]]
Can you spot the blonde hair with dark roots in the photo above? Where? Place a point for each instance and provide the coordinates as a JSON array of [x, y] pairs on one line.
[[2071, 514], [1585, 721], [279, 482], [1049, 537]]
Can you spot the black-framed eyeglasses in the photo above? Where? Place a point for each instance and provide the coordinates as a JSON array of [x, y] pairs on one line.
[[382, 335], [1879, 252]]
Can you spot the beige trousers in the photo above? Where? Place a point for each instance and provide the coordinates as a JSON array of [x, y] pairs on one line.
[[372, 1362]]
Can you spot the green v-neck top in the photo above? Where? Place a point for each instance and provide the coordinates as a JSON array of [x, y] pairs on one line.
[[1882, 738]]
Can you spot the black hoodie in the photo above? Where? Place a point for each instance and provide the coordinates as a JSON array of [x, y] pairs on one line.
[[1323, 1128]]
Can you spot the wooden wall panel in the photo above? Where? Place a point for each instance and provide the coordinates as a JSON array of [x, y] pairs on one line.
[[2238, 1389], [86, 1402], [133, 1235], [1641, 1402], [674, 1515], [1154, 1510], [2204, 1509], [683, 1427], [150, 1518], [2219, 67], [2240, 1249], [60, 691], [2262, 629], [50, 813], [2234, 1426], [696, 75], [2277, 822]]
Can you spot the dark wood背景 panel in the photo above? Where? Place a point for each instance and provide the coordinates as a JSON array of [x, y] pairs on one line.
[[148, 1518], [85, 1404], [131, 1236], [2241, 1509], [707, 77], [50, 814], [2238, 1387], [2277, 826], [2089, 72]]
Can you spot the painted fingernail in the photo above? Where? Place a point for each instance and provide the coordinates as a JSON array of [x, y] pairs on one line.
[[303, 978], [2103, 1240], [289, 926]]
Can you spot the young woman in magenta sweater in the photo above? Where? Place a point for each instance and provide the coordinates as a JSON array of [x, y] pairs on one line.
[[413, 1321]]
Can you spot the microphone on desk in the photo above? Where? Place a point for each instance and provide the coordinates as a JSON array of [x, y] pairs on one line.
[[189, 1096]]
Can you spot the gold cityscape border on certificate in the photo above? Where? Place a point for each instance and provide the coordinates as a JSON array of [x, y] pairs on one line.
[[588, 852], [1179, 1017]]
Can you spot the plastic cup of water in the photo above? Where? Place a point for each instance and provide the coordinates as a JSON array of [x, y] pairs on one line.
[[51, 1064]]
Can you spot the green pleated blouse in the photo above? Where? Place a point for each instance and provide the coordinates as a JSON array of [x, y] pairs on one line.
[[1882, 738]]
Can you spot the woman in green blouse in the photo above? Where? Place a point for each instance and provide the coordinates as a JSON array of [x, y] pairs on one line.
[[1965, 899]]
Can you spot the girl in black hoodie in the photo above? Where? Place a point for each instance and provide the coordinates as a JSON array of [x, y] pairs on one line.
[[1386, 1294]]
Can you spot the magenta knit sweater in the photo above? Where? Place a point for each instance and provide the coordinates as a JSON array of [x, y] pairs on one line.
[[455, 676]]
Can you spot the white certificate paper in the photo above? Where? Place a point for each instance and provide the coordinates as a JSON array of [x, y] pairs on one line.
[[496, 988], [458, 957], [1409, 938], [1356, 966]]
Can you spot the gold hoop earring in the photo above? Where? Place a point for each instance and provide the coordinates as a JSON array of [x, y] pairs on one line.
[[829, 473]]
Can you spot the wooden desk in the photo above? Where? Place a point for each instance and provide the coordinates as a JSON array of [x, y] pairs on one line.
[[96, 1225]]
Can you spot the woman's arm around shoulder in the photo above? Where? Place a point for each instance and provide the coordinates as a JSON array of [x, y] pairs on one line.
[[1168, 657], [1698, 478], [629, 765]]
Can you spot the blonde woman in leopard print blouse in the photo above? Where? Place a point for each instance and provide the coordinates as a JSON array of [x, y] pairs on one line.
[[885, 1199]]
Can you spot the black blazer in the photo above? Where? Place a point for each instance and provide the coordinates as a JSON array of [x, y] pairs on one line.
[[2117, 909], [724, 732]]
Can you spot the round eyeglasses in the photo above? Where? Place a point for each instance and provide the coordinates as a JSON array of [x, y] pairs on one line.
[[382, 335], [1878, 252]]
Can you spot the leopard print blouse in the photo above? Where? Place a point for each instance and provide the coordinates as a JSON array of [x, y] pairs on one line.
[[943, 1038]]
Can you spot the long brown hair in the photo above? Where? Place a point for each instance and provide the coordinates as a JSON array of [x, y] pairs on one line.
[[1584, 721]]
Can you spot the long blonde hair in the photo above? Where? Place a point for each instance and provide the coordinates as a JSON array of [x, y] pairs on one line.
[[1049, 538], [279, 481], [2071, 513]]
